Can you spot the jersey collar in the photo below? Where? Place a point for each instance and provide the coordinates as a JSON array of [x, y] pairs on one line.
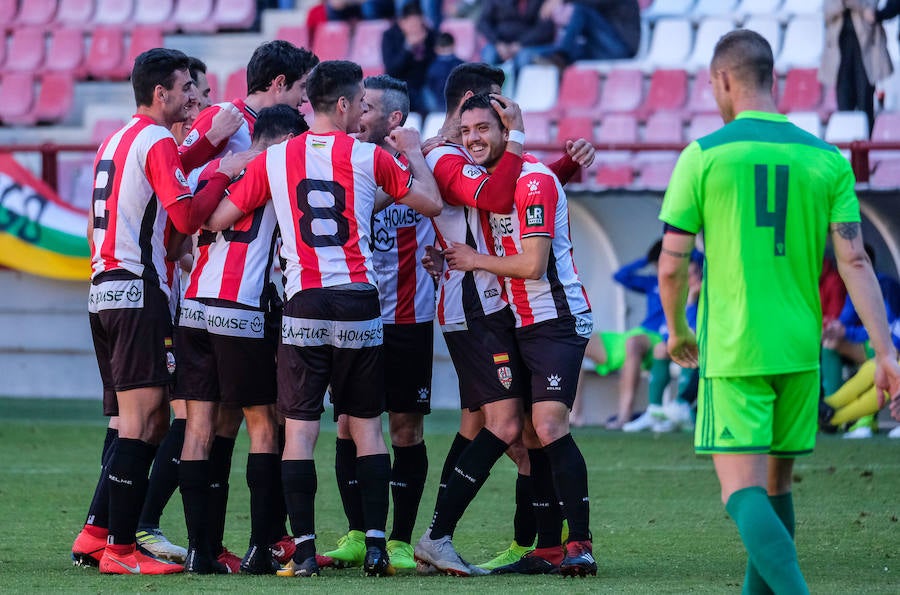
[[756, 115]]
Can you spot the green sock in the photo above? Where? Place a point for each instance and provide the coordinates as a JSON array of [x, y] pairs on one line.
[[832, 371], [783, 505], [659, 380], [769, 544]]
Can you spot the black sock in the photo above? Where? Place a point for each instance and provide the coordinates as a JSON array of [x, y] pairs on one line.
[[469, 474], [348, 486], [547, 513], [459, 444], [523, 521], [98, 510], [300, 483], [279, 516], [374, 475], [128, 469], [164, 476], [193, 481], [407, 484], [219, 470], [570, 479], [263, 470]]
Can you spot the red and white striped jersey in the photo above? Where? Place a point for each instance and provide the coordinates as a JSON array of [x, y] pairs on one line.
[[137, 176], [239, 141], [323, 189], [462, 296], [235, 264], [540, 209]]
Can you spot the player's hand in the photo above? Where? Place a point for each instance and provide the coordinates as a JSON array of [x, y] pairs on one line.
[[433, 143], [509, 111], [405, 140], [233, 164], [683, 349], [224, 124], [433, 261], [887, 382], [581, 152], [461, 257]]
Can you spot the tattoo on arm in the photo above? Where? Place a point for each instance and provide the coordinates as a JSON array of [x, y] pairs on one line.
[[848, 231], [676, 254]]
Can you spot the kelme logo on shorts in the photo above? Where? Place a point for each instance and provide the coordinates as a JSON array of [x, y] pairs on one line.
[[534, 216]]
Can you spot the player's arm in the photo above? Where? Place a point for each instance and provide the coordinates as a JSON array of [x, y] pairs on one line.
[[245, 195], [673, 293], [579, 153], [209, 135], [422, 194], [531, 263]]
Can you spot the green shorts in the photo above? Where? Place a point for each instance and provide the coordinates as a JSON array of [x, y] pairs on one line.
[[614, 344], [774, 415]]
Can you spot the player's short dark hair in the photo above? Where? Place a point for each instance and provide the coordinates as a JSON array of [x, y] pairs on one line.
[[155, 67], [395, 95], [331, 80], [277, 57], [747, 55], [654, 251], [278, 120], [444, 40], [195, 66], [471, 76], [481, 100], [411, 8]]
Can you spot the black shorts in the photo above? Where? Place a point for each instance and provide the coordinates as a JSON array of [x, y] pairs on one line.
[[552, 351], [487, 361], [132, 331], [226, 353], [408, 357], [331, 337]]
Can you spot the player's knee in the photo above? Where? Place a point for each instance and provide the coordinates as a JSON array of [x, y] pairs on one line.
[[549, 430], [637, 346], [507, 430]]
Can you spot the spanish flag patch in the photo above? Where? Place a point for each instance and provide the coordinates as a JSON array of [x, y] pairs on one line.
[[501, 358]]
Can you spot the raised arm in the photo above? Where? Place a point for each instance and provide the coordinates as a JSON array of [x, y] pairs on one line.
[[423, 195]]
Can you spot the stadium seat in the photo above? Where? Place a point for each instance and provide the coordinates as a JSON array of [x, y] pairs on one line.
[[8, 11], [142, 39], [365, 47], [808, 121], [464, 34], [708, 34], [614, 175], [622, 91], [844, 127], [56, 97], [537, 128], [26, 49], [17, 98], [748, 8], [668, 8], [104, 127], [768, 27], [575, 127], [663, 127], [804, 39], [236, 85], [670, 43], [618, 128], [886, 175], [537, 87], [703, 124], [667, 92], [194, 16], [157, 13], [332, 41], [701, 99], [712, 8], [113, 12], [578, 92], [802, 91], [655, 174], [66, 52], [75, 13], [886, 129], [106, 56], [234, 14], [35, 12], [297, 35]]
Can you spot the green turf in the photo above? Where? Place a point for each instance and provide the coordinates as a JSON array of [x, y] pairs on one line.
[[657, 522]]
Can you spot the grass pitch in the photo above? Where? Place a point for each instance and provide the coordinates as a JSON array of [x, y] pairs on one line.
[[657, 521]]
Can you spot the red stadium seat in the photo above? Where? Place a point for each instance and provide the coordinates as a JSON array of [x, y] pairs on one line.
[[234, 14], [463, 32], [663, 127], [17, 98], [618, 128], [655, 174], [579, 92], [668, 92], [703, 124], [113, 12], [575, 127], [36, 12], [615, 175], [155, 12], [26, 49], [802, 91], [56, 97], [537, 128], [66, 52], [106, 56], [236, 85], [365, 48], [75, 13], [103, 128], [333, 41], [886, 175], [194, 16], [296, 34], [143, 39], [886, 129], [622, 91], [701, 100]]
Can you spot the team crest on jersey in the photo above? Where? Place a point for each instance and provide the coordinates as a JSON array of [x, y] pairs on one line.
[[471, 171], [170, 362], [179, 175], [534, 216], [504, 374], [191, 138]]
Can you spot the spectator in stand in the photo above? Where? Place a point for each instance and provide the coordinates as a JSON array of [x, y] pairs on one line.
[[433, 10], [516, 31], [344, 10], [596, 30], [407, 50], [445, 60], [855, 55]]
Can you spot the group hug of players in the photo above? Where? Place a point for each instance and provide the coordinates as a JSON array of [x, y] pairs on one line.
[[376, 235]]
